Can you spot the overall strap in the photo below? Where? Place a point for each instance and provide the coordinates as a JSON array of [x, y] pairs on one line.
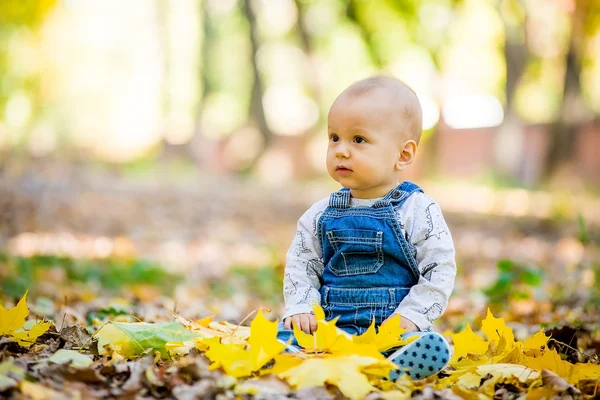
[[340, 199], [398, 195]]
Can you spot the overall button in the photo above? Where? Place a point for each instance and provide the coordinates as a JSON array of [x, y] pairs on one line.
[[338, 194], [396, 195]]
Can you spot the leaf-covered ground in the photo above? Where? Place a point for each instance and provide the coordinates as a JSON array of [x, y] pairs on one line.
[[82, 247], [113, 357]]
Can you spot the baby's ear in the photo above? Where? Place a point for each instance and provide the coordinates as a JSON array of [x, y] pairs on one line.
[[408, 151]]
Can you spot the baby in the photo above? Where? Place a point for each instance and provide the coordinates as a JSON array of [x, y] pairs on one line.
[[377, 247]]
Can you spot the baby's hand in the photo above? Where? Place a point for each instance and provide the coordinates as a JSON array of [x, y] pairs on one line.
[[405, 323], [306, 322]]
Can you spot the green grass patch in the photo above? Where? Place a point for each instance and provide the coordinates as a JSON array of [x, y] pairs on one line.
[[264, 283], [21, 273]]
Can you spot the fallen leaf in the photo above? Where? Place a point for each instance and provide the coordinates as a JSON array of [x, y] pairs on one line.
[[467, 394], [582, 371], [466, 342], [266, 385], [557, 383], [324, 338], [538, 341], [70, 357], [13, 319], [36, 391], [388, 335], [133, 338], [205, 389], [237, 360], [74, 336], [86, 375], [10, 374], [496, 329], [345, 372], [27, 338], [521, 372], [549, 359], [541, 393]]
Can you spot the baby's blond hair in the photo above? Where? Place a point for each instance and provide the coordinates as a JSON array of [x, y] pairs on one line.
[[407, 102]]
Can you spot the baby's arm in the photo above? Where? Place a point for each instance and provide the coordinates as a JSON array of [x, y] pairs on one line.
[[303, 271], [430, 236]]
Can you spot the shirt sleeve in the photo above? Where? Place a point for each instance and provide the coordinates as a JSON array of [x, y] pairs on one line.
[[434, 252], [304, 265]]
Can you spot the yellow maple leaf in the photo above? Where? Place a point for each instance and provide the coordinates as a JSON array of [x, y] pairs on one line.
[[498, 348], [233, 358], [329, 338], [283, 362], [263, 341], [470, 380], [467, 342], [549, 359], [345, 372], [502, 348], [27, 338], [238, 360], [495, 329], [13, 319], [513, 356], [584, 371], [537, 342], [326, 336], [388, 336]]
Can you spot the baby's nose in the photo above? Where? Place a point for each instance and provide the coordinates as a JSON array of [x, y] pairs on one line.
[[342, 151]]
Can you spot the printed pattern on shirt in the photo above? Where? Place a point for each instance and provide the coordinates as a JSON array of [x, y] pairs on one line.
[[301, 248], [435, 221], [305, 296], [434, 312], [290, 288], [428, 271], [314, 267]]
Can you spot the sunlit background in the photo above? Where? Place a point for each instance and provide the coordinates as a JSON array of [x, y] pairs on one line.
[[223, 91], [517, 82]]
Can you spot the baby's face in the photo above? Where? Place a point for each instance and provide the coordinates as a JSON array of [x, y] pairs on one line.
[[364, 143]]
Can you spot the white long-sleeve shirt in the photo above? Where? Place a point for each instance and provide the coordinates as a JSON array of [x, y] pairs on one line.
[[421, 220]]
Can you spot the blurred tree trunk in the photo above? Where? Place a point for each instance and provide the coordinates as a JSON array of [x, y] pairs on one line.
[[202, 150], [509, 139], [573, 110], [257, 112], [563, 132]]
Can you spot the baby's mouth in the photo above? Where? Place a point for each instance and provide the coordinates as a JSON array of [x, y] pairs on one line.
[[342, 169]]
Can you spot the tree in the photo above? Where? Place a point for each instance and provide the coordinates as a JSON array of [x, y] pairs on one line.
[[573, 111], [257, 112]]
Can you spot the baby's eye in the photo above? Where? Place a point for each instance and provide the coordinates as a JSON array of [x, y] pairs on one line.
[[359, 139], [334, 138]]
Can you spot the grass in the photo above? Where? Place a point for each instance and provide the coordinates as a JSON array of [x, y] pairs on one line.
[[19, 274]]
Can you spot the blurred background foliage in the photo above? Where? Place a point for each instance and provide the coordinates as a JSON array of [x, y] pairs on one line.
[[244, 85]]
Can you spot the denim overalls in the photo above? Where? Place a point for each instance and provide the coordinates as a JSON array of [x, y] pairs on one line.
[[370, 266]]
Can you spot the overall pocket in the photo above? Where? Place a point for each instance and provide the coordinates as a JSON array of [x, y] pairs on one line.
[[357, 251]]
